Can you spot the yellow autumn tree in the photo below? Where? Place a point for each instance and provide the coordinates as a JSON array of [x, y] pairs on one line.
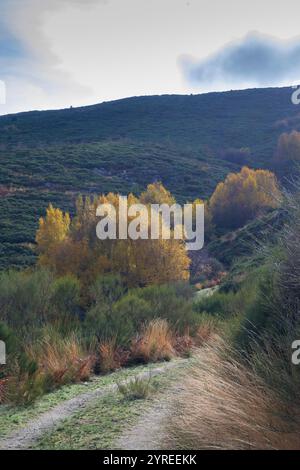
[[144, 262], [156, 193], [242, 196], [72, 247], [208, 223], [52, 231], [162, 261]]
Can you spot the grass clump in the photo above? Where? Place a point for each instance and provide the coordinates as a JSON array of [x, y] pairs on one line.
[[136, 389]]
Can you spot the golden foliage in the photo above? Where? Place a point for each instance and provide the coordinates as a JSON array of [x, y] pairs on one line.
[[208, 222], [72, 247], [242, 196], [53, 229], [156, 193]]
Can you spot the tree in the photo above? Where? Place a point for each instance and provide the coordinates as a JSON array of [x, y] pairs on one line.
[[52, 231], [208, 222], [287, 155], [156, 193], [72, 247], [242, 196]]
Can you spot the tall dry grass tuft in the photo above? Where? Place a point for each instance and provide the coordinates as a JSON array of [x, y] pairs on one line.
[[205, 331], [155, 343], [110, 357], [224, 405], [183, 344], [62, 360]]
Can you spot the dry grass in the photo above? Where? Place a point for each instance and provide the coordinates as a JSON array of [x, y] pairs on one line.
[[62, 360], [223, 405], [205, 331], [108, 357], [111, 357], [183, 345], [155, 343], [49, 363]]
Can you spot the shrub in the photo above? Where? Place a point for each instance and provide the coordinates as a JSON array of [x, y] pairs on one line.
[[25, 298], [8, 336], [3, 387], [20, 381], [183, 290], [207, 272], [107, 289], [9, 339], [119, 321], [287, 155], [24, 382], [271, 321], [226, 304], [66, 295], [135, 309], [23, 389], [218, 304], [240, 156], [261, 314], [169, 304]]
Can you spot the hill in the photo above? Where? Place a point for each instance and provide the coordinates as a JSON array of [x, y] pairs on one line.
[[184, 141]]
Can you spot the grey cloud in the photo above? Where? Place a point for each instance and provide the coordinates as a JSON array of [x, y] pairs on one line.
[[257, 59]]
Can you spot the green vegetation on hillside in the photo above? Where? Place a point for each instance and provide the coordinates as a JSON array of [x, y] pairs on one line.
[[190, 143]]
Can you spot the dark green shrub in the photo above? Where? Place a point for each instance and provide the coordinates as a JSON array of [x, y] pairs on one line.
[[137, 310], [169, 304], [25, 298], [107, 289], [7, 335], [120, 321], [218, 304], [66, 295], [226, 304], [25, 383]]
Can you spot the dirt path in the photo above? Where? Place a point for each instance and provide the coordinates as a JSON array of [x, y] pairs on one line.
[[148, 433], [35, 428]]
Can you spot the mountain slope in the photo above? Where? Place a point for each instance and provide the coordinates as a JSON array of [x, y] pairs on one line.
[[123, 145]]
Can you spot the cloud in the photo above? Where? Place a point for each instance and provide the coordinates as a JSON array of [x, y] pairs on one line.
[[28, 66], [255, 60]]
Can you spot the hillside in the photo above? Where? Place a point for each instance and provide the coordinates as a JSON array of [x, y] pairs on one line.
[[123, 145]]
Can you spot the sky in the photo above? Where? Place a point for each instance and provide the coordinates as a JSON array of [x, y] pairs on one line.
[[62, 53]]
